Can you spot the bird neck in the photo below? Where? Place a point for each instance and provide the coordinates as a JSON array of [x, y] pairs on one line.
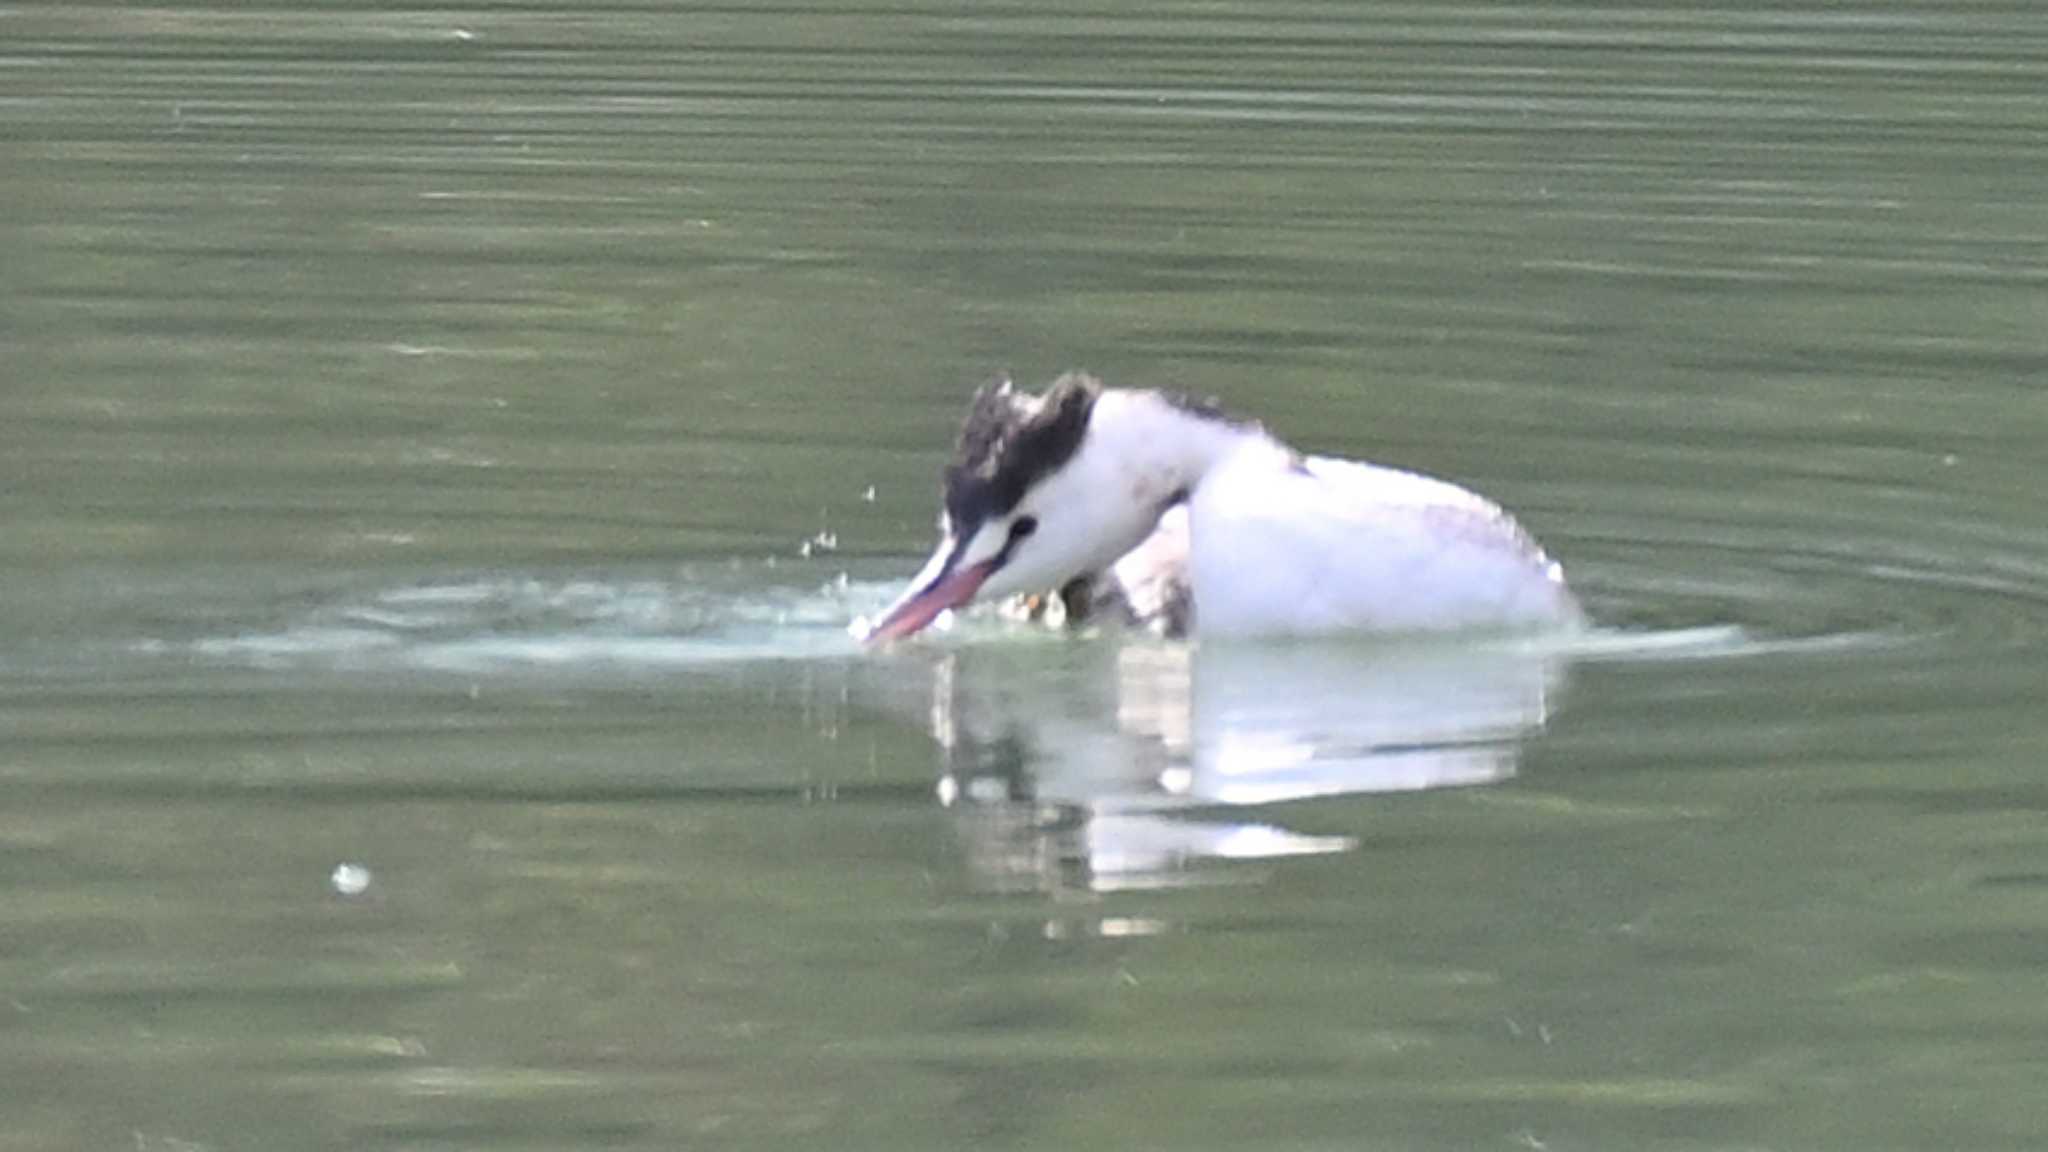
[[1164, 445]]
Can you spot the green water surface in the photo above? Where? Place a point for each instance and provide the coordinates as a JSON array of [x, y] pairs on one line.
[[448, 442]]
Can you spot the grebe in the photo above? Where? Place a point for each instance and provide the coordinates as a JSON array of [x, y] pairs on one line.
[[1186, 510]]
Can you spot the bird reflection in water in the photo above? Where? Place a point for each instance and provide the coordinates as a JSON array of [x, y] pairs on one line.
[[1125, 762]]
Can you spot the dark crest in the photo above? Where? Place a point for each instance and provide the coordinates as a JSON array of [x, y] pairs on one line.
[[1010, 442]]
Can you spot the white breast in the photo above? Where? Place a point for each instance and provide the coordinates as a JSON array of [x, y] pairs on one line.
[[1282, 544]]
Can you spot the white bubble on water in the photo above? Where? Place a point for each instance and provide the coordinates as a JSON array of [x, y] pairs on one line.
[[350, 879]]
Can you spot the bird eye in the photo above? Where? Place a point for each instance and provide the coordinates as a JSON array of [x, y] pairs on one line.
[[1023, 526]]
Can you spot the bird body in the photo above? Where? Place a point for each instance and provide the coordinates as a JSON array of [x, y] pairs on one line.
[[1184, 506], [1323, 545]]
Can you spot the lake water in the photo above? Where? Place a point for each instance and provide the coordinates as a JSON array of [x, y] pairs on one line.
[[444, 448]]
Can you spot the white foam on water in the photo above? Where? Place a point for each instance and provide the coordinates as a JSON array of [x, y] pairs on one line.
[[473, 626]]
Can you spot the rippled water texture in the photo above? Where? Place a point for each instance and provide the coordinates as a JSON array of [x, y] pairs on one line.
[[444, 449]]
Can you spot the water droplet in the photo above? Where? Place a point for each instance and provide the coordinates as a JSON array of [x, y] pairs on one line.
[[350, 879]]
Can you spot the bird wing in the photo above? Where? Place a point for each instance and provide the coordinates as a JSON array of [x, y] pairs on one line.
[[1286, 544]]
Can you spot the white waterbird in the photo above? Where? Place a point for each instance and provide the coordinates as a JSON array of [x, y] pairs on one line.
[[1210, 518]]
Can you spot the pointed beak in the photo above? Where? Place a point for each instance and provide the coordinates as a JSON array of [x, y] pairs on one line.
[[939, 587]]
